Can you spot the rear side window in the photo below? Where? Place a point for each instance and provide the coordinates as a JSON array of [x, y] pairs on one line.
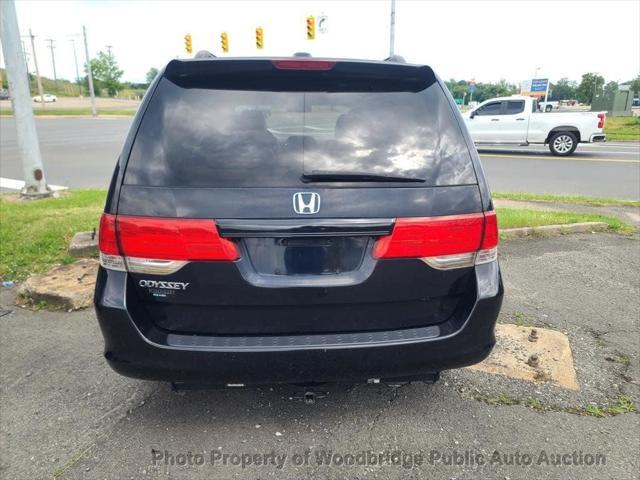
[[514, 107], [221, 133]]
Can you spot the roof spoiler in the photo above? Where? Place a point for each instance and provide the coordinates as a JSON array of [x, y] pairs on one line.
[[204, 54]]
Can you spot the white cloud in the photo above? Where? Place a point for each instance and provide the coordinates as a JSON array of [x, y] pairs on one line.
[[460, 39]]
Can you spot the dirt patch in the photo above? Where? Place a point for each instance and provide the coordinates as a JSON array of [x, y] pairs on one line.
[[546, 359]]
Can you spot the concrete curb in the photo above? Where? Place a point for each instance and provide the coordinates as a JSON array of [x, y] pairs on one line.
[[64, 287], [550, 230], [84, 244]]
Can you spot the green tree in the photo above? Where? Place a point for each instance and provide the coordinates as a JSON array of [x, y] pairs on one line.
[[151, 74], [588, 87], [611, 87], [564, 89], [486, 91], [458, 88], [106, 74], [635, 84]]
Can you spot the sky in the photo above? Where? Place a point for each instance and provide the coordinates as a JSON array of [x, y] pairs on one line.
[[481, 40]]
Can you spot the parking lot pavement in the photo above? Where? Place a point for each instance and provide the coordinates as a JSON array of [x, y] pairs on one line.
[[65, 414]]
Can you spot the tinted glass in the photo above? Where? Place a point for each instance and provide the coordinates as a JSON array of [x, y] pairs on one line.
[[250, 138], [490, 109], [514, 107]]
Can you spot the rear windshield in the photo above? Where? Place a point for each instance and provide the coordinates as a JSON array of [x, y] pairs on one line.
[[268, 131]]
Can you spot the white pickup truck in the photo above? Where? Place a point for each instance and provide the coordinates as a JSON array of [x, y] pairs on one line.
[[515, 120]]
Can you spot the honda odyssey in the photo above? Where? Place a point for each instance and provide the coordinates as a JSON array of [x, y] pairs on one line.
[[297, 220]]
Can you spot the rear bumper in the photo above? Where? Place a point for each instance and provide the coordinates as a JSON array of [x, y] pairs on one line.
[[598, 137], [140, 351]]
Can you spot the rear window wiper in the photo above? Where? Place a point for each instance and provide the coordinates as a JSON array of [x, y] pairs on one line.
[[338, 176]]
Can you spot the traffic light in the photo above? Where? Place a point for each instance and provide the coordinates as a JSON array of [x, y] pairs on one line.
[[259, 38], [224, 39], [311, 28], [188, 46]]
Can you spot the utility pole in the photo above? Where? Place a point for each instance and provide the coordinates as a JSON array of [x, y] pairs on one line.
[[392, 28], [75, 58], [53, 59], [26, 134], [26, 57], [35, 63], [89, 75]]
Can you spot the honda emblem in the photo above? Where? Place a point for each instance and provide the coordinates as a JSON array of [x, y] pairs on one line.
[[306, 203]]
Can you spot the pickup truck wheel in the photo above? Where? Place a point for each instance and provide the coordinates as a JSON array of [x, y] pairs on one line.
[[548, 108], [563, 143]]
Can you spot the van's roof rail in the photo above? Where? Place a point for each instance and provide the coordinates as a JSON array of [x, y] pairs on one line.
[[396, 59], [204, 54]]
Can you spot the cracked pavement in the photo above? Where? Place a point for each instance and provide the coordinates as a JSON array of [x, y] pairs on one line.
[[65, 414]]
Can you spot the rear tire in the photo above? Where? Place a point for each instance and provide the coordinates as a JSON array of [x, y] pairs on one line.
[[548, 108], [563, 144]]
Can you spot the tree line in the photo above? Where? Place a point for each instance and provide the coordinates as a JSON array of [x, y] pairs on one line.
[[584, 91]]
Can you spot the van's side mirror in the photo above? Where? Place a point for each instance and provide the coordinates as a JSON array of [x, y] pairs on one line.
[[472, 114]]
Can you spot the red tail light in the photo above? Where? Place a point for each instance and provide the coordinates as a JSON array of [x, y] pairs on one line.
[[160, 245], [449, 241], [173, 239], [303, 64], [490, 236], [601, 119], [107, 240]]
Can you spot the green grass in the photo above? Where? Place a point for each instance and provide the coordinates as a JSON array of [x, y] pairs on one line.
[[523, 217], [572, 199], [35, 234], [61, 112], [623, 404], [622, 128]]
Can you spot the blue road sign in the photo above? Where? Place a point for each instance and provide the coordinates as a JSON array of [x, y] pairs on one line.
[[472, 88], [539, 84]]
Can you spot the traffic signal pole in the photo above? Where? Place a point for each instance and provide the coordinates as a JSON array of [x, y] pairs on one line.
[[392, 28], [35, 185]]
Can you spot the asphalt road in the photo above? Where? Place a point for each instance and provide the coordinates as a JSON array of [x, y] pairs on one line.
[[81, 152], [66, 415]]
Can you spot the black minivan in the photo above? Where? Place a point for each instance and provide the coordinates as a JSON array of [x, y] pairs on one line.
[[297, 220]]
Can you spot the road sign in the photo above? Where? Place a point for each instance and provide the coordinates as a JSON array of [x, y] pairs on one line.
[[323, 24], [472, 86], [534, 88], [539, 84]]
